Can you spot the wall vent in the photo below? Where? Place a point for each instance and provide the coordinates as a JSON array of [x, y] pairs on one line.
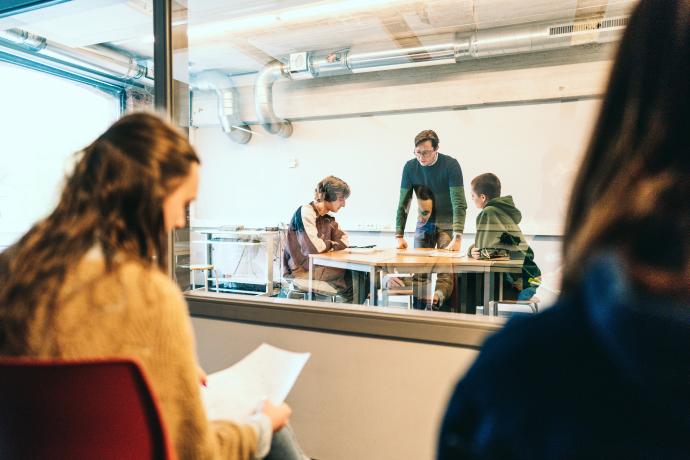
[[592, 24]]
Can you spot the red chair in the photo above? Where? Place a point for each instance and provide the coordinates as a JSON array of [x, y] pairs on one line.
[[97, 409]]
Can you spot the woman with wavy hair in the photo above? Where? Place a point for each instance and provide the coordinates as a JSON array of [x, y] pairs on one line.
[[88, 281], [605, 373]]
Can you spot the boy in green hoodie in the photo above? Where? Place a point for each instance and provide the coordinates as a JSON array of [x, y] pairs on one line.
[[498, 234]]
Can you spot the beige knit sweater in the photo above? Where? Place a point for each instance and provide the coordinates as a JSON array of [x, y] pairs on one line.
[[138, 311]]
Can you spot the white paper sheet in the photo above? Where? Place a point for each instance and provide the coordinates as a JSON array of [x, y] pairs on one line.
[[238, 392]]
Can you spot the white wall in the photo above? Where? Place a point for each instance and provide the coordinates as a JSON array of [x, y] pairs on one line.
[[534, 149], [45, 120], [357, 398], [526, 118]]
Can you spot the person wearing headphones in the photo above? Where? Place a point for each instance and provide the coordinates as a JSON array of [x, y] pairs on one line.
[[313, 230]]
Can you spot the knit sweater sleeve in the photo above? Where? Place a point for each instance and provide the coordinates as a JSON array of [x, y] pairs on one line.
[[403, 201], [457, 196], [172, 368], [457, 200]]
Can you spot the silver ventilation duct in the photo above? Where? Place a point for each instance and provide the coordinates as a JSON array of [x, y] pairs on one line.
[[228, 103], [453, 49], [97, 60], [263, 99]]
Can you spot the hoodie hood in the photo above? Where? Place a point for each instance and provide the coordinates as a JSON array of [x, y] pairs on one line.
[[645, 335], [506, 205]]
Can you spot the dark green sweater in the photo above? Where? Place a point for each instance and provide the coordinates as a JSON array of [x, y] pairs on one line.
[[444, 178]]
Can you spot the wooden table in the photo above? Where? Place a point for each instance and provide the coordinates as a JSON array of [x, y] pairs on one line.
[[387, 261]]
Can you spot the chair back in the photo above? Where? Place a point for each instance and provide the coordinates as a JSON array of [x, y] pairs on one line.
[[75, 410]]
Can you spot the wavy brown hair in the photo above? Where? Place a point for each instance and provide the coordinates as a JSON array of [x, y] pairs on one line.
[[632, 193], [113, 200]]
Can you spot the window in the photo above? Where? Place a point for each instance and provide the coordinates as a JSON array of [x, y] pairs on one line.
[[46, 119], [67, 71], [285, 94]]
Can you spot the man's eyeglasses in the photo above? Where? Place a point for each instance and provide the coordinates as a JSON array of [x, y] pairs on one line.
[[424, 153]]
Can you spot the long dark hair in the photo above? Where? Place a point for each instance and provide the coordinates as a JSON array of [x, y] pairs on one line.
[[113, 200], [632, 193]]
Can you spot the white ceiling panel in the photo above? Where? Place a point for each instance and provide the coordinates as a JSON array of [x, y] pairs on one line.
[[440, 16], [325, 36], [204, 11], [87, 22], [223, 56], [497, 13]]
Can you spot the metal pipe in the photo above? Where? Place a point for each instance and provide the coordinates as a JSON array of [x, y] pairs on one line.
[[445, 50], [369, 61], [453, 49], [541, 37], [96, 60], [122, 67], [24, 39], [228, 103], [263, 99]]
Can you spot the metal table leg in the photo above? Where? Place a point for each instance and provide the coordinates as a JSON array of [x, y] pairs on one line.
[[311, 278], [269, 264], [355, 286], [209, 260], [488, 291], [464, 295], [372, 287], [384, 289]]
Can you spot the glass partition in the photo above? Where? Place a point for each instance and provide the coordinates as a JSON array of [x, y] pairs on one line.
[[345, 147], [67, 71]]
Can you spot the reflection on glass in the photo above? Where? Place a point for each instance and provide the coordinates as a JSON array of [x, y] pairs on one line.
[[67, 71], [287, 93], [99, 43]]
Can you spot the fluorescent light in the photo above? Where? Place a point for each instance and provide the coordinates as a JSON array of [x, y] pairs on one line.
[[299, 14]]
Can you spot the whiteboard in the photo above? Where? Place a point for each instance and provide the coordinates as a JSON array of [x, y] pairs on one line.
[[534, 149]]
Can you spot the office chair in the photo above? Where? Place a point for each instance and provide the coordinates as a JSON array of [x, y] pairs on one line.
[[405, 291], [92, 409], [298, 288], [511, 307], [547, 293]]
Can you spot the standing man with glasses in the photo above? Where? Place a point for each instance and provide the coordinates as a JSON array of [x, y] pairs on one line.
[[441, 174]]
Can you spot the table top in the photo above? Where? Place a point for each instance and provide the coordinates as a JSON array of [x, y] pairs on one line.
[[412, 257], [243, 231]]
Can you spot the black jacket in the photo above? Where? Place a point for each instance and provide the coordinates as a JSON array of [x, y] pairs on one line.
[[602, 374]]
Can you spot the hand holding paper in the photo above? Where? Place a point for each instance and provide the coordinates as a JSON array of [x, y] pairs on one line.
[[278, 415], [268, 372]]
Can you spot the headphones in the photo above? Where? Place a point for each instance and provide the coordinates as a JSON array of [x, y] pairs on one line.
[[326, 192], [329, 194]]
